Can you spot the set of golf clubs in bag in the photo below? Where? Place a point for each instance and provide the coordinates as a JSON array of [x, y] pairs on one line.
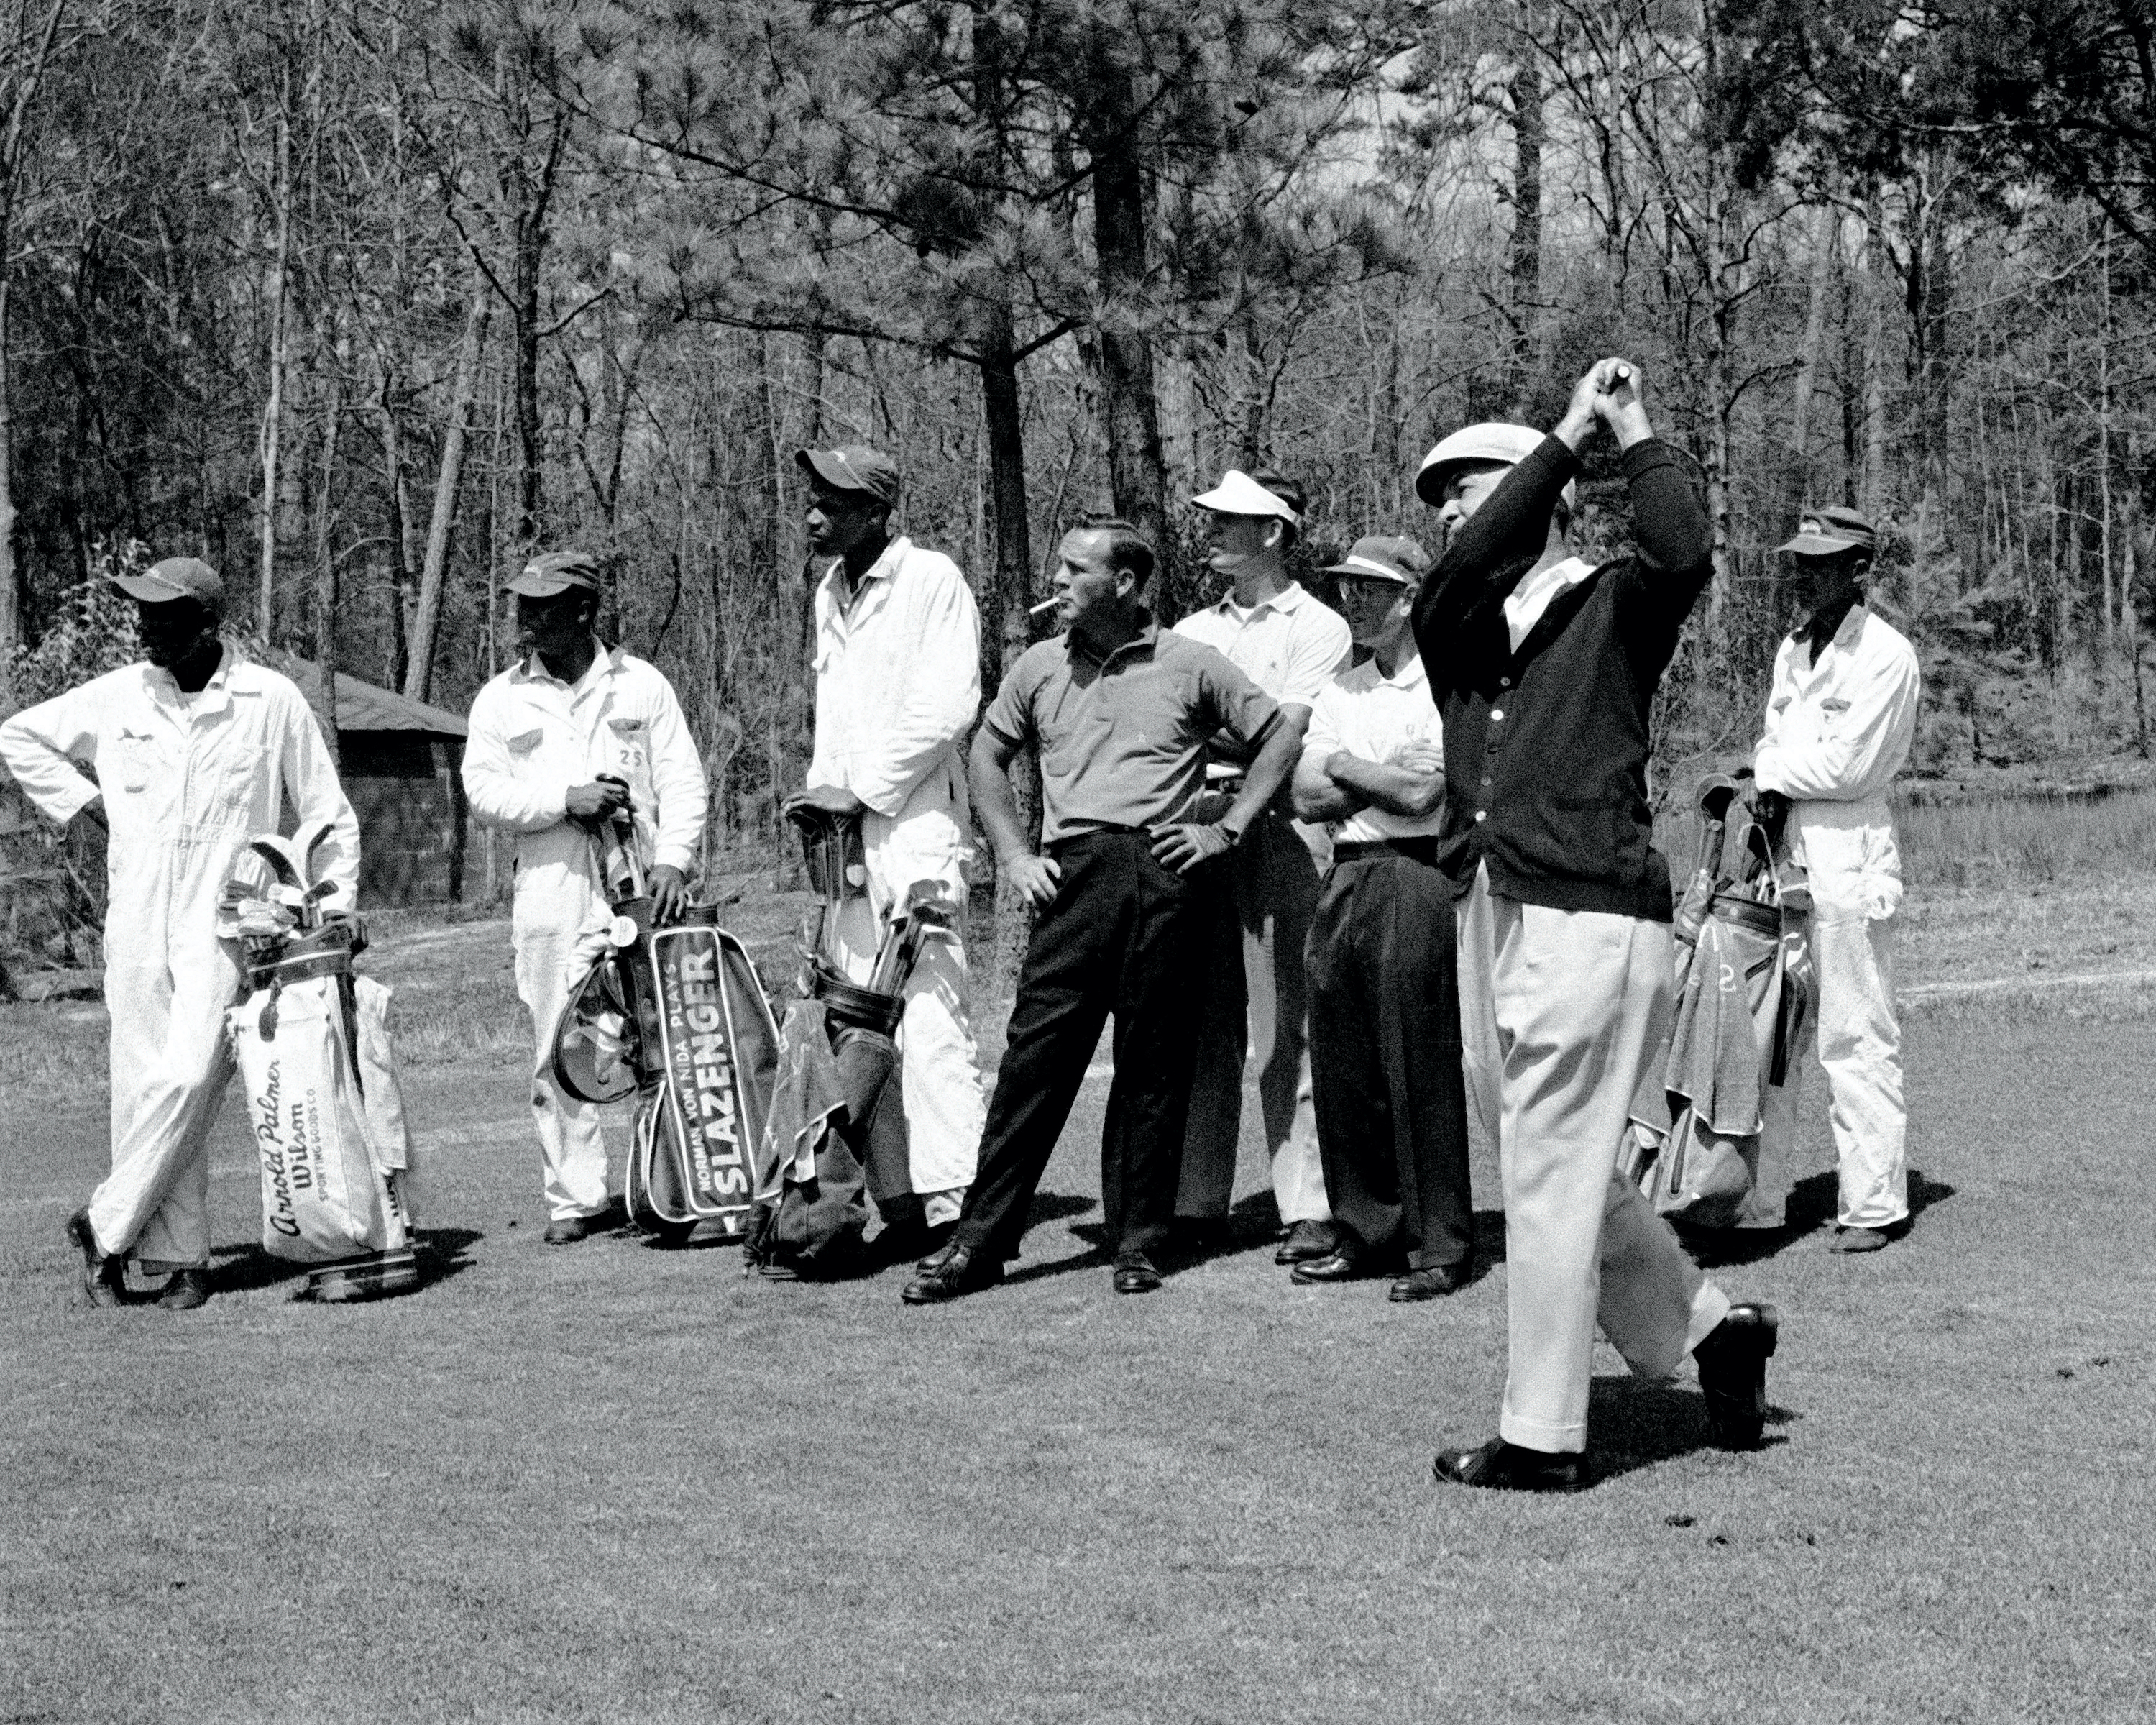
[[749, 1128]]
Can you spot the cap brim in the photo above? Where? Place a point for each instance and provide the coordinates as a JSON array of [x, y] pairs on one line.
[[1365, 571], [828, 468], [1820, 545], [543, 587], [150, 591]]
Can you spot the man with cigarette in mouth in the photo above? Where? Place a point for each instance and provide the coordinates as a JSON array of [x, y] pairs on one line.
[[1544, 667], [1120, 712], [898, 683]]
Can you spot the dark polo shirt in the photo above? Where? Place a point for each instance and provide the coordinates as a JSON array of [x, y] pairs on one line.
[[1546, 748], [1122, 740]]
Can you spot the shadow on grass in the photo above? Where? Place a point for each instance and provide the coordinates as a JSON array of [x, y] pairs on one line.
[[1811, 1209], [442, 1252], [1635, 1423]]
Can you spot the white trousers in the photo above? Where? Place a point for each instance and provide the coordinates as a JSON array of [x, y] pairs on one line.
[[571, 1149], [939, 1079], [170, 1060], [1257, 1009], [1859, 1040], [1560, 1011]]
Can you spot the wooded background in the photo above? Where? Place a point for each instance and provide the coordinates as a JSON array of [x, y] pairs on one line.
[[362, 299]]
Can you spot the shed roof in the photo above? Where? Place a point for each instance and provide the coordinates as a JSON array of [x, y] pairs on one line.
[[363, 706]]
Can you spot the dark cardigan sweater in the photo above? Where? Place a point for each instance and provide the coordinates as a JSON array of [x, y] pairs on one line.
[[1546, 749]]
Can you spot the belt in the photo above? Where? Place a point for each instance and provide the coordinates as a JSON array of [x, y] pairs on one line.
[[1100, 832], [1422, 849]]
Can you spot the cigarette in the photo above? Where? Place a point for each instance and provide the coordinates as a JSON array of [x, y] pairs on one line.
[[1045, 604]]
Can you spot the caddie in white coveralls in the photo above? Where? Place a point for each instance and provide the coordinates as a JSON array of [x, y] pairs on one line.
[[898, 686], [572, 733], [196, 752], [1839, 722]]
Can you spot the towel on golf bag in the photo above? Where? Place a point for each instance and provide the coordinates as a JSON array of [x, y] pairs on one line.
[[331, 1164], [810, 1207], [1743, 988]]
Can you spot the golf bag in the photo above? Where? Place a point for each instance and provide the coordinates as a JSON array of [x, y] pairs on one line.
[[311, 1041], [676, 1017], [1744, 984], [837, 1131]]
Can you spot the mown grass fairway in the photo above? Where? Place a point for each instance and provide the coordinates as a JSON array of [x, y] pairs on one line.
[[612, 1483]]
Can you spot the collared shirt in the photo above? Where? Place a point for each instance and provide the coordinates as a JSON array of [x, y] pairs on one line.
[[1524, 604], [1290, 645], [534, 737], [898, 683], [1372, 717], [1122, 741], [187, 780], [1839, 731]]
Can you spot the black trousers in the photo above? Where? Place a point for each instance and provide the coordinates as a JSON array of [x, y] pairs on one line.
[[1385, 1059], [1125, 934]]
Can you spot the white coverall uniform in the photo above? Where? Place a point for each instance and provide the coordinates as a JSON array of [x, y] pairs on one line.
[[898, 684], [533, 737], [1837, 732], [187, 780]]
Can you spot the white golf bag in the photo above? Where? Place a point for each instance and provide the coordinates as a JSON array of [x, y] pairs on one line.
[[311, 1040]]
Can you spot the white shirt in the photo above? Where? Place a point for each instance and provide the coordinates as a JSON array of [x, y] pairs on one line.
[[1372, 717], [1839, 729], [1290, 645], [187, 780], [898, 684], [533, 736], [1524, 604]]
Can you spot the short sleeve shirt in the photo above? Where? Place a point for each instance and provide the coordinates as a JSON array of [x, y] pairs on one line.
[[1122, 741], [1290, 645], [1372, 717]]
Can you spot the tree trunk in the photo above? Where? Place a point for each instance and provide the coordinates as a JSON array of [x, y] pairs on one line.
[[11, 607], [1004, 428], [1521, 374], [1137, 476], [397, 502], [427, 614], [325, 570], [273, 411]]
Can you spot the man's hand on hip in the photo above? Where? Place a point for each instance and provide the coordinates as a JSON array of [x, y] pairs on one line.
[[1184, 846], [1034, 877], [595, 804], [669, 893]]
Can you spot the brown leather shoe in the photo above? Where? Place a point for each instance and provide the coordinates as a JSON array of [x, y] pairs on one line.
[[104, 1275], [568, 1230], [1135, 1274], [1501, 1467], [1305, 1241], [1431, 1284], [957, 1273], [185, 1290], [1343, 1263]]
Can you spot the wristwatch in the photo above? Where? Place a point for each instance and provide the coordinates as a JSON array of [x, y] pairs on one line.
[[1235, 834]]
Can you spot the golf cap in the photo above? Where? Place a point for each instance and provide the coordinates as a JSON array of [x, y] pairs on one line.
[[1239, 494], [1828, 532], [1378, 558], [556, 572], [1493, 443], [175, 579], [855, 467]]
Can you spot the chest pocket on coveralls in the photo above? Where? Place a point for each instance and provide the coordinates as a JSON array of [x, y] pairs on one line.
[[523, 750], [141, 759]]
